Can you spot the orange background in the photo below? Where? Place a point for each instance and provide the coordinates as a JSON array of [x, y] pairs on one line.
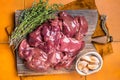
[[111, 67]]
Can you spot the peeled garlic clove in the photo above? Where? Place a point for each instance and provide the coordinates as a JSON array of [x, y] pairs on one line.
[[86, 58], [93, 66], [80, 67], [94, 60], [85, 70], [82, 64]]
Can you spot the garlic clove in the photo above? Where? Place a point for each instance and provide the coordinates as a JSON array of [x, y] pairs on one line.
[[82, 64], [85, 70], [86, 58], [94, 60], [92, 66]]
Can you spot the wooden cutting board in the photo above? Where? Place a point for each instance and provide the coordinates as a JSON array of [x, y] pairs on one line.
[[92, 18]]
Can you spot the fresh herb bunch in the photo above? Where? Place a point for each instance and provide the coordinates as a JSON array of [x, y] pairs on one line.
[[31, 18]]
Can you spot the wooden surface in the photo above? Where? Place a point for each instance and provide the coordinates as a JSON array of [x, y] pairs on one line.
[[91, 17], [111, 66]]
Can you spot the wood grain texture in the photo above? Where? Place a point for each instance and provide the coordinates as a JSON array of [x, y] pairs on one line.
[[91, 17]]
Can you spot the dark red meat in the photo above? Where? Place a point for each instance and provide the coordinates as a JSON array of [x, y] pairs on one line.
[[24, 49], [70, 44], [70, 25], [66, 62], [38, 61], [34, 38], [54, 44]]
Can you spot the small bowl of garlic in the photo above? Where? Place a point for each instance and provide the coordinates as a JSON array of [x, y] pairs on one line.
[[89, 63]]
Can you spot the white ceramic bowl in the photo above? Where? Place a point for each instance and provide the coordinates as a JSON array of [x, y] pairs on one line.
[[93, 71]]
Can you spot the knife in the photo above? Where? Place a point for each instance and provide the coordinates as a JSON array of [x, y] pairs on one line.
[[104, 39]]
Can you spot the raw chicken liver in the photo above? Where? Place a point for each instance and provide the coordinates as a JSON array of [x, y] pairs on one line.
[[55, 43]]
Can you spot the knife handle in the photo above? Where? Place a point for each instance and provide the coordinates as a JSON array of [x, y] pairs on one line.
[[102, 39]]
